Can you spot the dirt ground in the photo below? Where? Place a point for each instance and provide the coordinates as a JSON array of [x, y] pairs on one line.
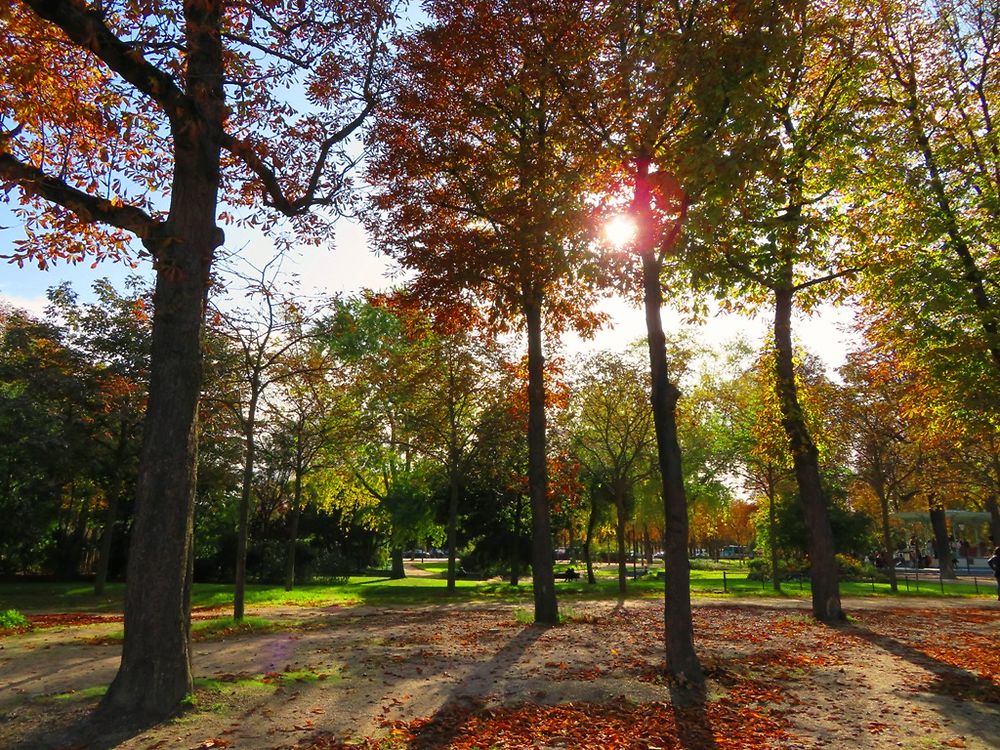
[[913, 675]]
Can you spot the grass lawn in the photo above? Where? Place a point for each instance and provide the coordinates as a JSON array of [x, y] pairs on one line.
[[730, 580]]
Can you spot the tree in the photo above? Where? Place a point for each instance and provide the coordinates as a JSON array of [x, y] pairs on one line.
[[50, 399], [384, 361], [612, 428], [113, 335], [264, 343], [886, 457], [481, 192], [655, 90], [138, 110], [784, 239], [939, 176], [454, 397]]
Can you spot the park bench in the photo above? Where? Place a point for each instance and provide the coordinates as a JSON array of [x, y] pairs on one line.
[[568, 575]]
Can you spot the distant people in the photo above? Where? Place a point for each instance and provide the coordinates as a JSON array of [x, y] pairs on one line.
[[994, 563], [969, 553]]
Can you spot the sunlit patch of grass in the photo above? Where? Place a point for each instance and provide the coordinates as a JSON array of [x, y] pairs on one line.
[[223, 627], [523, 616], [572, 616], [96, 691]]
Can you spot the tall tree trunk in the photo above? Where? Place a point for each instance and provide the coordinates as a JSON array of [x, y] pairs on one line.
[[681, 656], [941, 545], [515, 552], [114, 493], [453, 493], [107, 536], [587, 542], [822, 559], [243, 527], [994, 510], [620, 539], [155, 671], [293, 521], [888, 553], [772, 530], [542, 574]]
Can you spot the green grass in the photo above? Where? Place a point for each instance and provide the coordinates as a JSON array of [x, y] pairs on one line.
[[79, 695], [77, 597]]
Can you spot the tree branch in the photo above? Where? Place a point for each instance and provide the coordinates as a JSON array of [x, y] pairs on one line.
[[823, 279], [89, 208], [87, 29]]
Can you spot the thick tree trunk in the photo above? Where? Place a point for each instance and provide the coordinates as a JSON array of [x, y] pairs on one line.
[[994, 510], [620, 539], [941, 545], [681, 656], [822, 559], [397, 571], [155, 671], [542, 574]]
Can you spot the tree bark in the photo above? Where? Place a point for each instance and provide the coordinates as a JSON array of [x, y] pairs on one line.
[[515, 552], [542, 574], [822, 558], [888, 553], [155, 671], [994, 510], [681, 656], [941, 544], [620, 539], [293, 524], [591, 525], [453, 492], [772, 527], [397, 571], [114, 500], [242, 530]]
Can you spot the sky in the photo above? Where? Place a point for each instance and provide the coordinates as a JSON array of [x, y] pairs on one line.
[[351, 265]]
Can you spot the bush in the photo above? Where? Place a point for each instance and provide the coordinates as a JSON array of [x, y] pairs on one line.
[[850, 567], [11, 619]]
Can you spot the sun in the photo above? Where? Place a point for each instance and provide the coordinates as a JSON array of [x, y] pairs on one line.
[[620, 230]]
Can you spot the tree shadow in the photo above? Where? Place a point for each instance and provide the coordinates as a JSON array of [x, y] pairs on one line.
[[948, 680], [694, 728], [89, 730], [447, 722]]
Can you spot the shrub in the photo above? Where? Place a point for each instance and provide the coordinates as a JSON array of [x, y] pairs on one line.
[[11, 619], [850, 567]]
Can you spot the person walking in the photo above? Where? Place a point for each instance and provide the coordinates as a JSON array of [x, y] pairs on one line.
[[994, 563]]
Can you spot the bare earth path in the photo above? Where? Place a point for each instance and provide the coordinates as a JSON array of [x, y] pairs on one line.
[[913, 675]]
